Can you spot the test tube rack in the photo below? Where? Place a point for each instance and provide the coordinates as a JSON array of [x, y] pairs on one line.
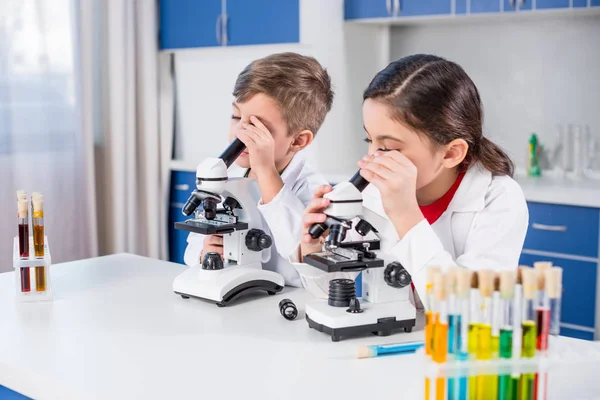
[[27, 267]]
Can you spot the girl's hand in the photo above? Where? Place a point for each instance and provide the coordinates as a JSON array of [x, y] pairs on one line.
[[260, 144], [212, 244], [396, 178], [312, 215]]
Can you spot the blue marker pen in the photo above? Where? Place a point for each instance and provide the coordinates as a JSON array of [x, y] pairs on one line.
[[388, 349]]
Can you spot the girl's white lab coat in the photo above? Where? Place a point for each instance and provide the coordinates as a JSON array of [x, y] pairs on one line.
[[484, 227], [283, 217]]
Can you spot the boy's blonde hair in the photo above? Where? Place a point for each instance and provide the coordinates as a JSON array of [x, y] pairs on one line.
[[299, 84]]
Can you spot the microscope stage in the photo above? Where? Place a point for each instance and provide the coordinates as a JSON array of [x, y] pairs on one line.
[[381, 319], [192, 225], [330, 262]]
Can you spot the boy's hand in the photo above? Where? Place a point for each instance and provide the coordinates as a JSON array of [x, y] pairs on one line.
[[312, 215], [260, 145], [212, 244], [396, 178]]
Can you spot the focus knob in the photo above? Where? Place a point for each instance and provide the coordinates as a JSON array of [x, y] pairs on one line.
[[258, 240], [212, 261], [396, 276]]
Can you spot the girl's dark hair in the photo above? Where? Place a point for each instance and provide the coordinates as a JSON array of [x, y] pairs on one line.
[[436, 97]]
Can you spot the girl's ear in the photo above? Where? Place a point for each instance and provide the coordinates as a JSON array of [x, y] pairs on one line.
[[455, 152], [302, 140]]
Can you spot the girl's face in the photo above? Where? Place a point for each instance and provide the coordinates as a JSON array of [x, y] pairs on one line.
[[384, 132]]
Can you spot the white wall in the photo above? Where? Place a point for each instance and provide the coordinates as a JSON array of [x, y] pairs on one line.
[[205, 79], [532, 73]]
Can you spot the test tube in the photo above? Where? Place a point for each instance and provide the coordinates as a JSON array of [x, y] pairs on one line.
[[430, 315], [453, 323], [473, 332], [542, 307], [38, 240], [507, 389], [486, 384], [463, 286], [430, 320], [440, 341], [496, 316], [554, 293], [529, 330], [23, 222]]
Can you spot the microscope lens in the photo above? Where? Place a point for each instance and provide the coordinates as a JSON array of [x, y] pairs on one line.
[[210, 208], [191, 205], [337, 234]]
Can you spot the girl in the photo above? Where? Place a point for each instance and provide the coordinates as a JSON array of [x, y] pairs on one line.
[[446, 189]]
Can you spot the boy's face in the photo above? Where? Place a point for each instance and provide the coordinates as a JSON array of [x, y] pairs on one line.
[[384, 132], [267, 110]]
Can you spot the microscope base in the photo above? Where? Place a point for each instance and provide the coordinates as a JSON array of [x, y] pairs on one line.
[[224, 286], [381, 319]]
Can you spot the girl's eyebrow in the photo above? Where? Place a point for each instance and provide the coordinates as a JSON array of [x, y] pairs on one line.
[[384, 137]]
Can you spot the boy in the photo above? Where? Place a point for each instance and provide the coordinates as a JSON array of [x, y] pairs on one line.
[[280, 102]]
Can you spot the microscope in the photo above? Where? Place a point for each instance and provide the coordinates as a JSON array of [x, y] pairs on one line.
[[385, 306], [227, 206]]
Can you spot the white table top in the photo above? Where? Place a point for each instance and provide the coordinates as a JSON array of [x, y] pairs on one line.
[[116, 330]]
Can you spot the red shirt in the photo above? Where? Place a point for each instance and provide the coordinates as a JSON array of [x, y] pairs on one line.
[[434, 211]]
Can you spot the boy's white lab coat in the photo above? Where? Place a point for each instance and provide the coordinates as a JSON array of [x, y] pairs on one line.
[[483, 227], [283, 217]]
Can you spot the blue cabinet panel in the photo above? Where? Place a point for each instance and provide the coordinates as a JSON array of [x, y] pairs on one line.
[[579, 289], [461, 7], [510, 5], [595, 3], [177, 238], [188, 23], [7, 394], [263, 22], [424, 7], [485, 6], [579, 3], [359, 9], [545, 4], [563, 229], [526, 4], [577, 334], [183, 184]]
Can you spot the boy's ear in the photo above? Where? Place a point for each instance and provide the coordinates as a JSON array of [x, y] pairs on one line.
[[302, 140], [455, 153]]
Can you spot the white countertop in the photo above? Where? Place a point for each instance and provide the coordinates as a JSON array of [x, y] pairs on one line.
[[116, 330]]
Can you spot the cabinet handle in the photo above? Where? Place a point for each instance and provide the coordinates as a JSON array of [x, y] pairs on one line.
[[177, 205], [225, 35], [397, 9], [388, 6], [551, 228], [218, 28], [184, 187]]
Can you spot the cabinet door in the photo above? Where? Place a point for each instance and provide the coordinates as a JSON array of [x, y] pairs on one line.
[[484, 6], [262, 22], [580, 3], [424, 7], [545, 4], [563, 229], [189, 23], [362, 9], [579, 289], [595, 3], [177, 238]]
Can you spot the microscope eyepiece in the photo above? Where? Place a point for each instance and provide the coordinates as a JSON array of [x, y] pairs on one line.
[[191, 204], [210, 208], [359, 182], [232, 152]]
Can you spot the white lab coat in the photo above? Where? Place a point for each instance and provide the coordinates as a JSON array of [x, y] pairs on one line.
[[483, 227], [282, 217]]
